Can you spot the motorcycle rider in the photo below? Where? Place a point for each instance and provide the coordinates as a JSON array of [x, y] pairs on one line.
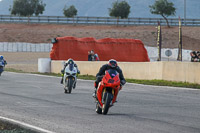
[[69, 61], [2, 64], [112, 64], [3, 60]]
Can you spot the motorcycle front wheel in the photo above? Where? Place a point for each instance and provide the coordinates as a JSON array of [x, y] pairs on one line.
[[98, 109], [70, 84], [106, 105]]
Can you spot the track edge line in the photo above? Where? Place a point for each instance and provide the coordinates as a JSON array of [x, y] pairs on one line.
[[24, 125]]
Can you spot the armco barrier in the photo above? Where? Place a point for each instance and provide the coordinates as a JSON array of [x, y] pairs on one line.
[[172, 71], [96, 20]]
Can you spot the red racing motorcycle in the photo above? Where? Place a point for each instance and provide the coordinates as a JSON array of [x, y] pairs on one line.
[[107, 91]]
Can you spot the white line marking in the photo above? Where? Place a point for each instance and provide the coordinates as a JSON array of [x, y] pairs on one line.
[[27, 126]]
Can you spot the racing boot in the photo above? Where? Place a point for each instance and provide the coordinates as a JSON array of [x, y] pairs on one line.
[[94, 93], [74, 85], [95, 90], [61, 81]]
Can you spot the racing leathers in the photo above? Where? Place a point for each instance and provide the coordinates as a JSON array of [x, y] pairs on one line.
[[102, 71], [62, 71]]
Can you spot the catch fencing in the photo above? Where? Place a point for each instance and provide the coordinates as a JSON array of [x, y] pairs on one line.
[[96, 20]]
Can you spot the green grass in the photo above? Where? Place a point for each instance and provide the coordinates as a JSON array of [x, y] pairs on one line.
[[87, 77], [48, 74], [145, 82], [164, 83], [6, 127], [14, 70]]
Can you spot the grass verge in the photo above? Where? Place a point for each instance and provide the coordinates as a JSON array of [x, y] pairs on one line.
[[14, 70], [145, 82], [10, 128], [164, 83]]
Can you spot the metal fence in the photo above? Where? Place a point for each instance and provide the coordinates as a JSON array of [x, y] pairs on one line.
[[96, 20]]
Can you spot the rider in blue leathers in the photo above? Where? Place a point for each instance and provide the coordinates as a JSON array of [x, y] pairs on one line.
[[2, 64], [2, 60]]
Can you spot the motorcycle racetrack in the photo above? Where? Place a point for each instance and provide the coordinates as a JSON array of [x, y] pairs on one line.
[[40, 101]]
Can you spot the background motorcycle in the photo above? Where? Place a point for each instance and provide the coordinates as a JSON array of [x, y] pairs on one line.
[[107, 91], [70, 78], [2, 65]]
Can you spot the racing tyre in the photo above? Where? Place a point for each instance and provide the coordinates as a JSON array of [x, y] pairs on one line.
[[65, 91], [98, 109], [70, 84], [106, 104]]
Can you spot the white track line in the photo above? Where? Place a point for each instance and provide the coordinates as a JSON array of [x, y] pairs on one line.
[[24, 125]]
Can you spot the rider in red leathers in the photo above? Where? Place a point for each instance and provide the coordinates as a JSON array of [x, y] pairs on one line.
[[112, 64]]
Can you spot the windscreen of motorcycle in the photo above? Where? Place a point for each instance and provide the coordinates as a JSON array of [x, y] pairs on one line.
[[112, 73], [71, 67]]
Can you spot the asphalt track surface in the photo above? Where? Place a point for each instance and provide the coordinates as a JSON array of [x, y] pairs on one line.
[[40, 101]]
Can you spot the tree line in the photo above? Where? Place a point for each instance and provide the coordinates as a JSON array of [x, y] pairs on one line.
[[118, 9]]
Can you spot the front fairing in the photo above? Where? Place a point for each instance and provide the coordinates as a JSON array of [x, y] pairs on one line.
[[111, 79], [69, 72], [110, 83]]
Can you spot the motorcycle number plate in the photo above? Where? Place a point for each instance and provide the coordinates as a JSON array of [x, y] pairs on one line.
[[110, 81]]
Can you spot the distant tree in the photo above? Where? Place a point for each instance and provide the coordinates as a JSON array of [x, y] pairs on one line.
[[163, 8], [27, 7], [70, 12], [120, 9]]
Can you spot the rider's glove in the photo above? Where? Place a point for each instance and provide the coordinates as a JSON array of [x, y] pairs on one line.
[[62, 71], [120, 88], [123, 82], [78, 72]]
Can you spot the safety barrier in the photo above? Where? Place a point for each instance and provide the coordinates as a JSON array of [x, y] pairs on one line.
[[153, 54], [172, 71], [129, 50], [46, 47]]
